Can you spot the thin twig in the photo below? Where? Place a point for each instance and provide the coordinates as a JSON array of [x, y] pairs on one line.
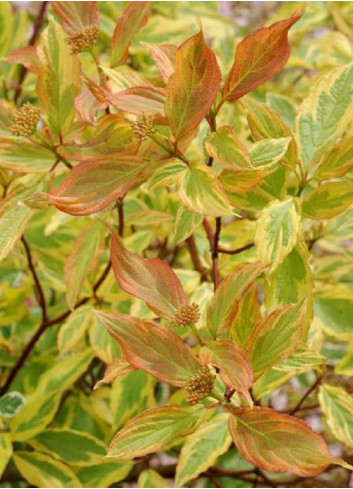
[[237, 250], [38, 287], [195, 257], [215, 252], [307, 394]]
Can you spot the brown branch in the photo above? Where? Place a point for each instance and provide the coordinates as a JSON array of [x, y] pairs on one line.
[[237, 250], [298, 406], [23, 70], [38, 288], [195, 257], [215, 252]]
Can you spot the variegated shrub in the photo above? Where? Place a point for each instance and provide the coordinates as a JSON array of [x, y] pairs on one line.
[[176, 241]]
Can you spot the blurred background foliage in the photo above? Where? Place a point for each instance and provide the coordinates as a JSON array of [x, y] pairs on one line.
[[66, 421]]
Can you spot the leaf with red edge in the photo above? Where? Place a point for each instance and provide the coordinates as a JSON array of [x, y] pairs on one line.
[[27, 56], [133, 18], [280, 443], [139, 100], [192, 88], [76, 16], [234, 368], [259, 57], [151, 280], [92, 186], [223, 306], [152, 348], [164, 57]]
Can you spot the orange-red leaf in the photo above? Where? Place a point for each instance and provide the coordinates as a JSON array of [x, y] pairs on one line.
[[92, 186], [153, 348], [192, 88], [139, 100], [280, 443], [164, 57], [129, 23], [151, 280], [27, 56], [258, 57], [234, 368], [75, 16]]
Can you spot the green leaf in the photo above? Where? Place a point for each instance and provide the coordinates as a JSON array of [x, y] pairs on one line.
[[70, 446], [185, 224], [74, 328], [327, 200], [275, 337], [334, 309], [325, 113], [150, 478], [20, 155], [345, 365], [335, 162], [14, 216], [302, 360], [268, 152], [201, 191], [227, 150], [5, 450], [43, 471], [223, 307], [247, 316], [103, 345], [265, 123], [153, 348], [11, 404], [277, 232], [202, 449], [106, 474], [337, 406], [59, 80], [152, 430], [82, 258], [6, 27]]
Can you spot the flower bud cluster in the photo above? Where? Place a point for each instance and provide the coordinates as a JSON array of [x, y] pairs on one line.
[[200, 386], [25, 120], [84, 40], [186, 314], [143, 127]]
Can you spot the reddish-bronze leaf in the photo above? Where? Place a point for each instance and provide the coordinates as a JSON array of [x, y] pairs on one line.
[[92, 186], [234, 368], [129, 23], [76, 16], [280, 443], [151, 280], [114, 369], [192, 88], [139, 100], [27, 56], [153, 348], [258, 57], [164, 57]]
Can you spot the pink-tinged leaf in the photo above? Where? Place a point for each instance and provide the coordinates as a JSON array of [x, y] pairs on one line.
[[234, 368], [92, 186], [259, 57], [164, 57], [152, 348], [133, 18], [192, 88], [223, 307], [27, 56], [76, 16], [280, 443], [153, 429], [112, 137], [151, 280], [114, 369], [139, 100], [87, 106]]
